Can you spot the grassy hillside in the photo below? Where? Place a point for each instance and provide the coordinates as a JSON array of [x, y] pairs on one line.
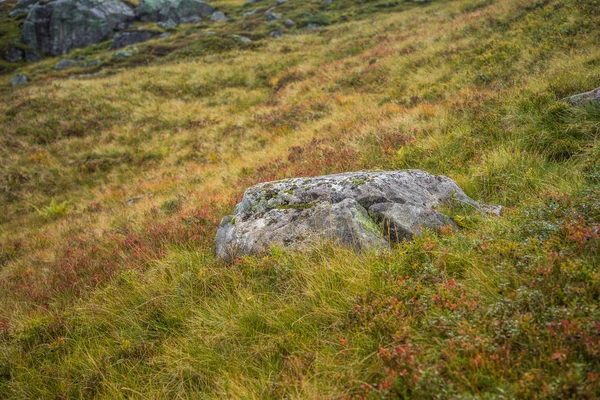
[[113, 180]]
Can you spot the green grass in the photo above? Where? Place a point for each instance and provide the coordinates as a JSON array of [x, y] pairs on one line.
[[110, 289]]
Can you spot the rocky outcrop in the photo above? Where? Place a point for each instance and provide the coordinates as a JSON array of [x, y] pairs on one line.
[[360, 209], [177, 11], [583, 98], [59, 26]]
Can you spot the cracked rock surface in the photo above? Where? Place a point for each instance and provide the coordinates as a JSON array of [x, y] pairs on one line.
[[59, 26], [364, 210]]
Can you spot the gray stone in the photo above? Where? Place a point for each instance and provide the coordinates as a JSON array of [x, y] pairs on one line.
[[22, 8], [32, 56], [124, 39], [20, 79], [126, 53], [66, 64], [288, 23], [14, 54], [170, 24], [244, 39], [583, 98], [59, 26], [273, 16], [194, 19], [312, 26], [174, 10], [362, 210], [280, 2], [250, 13], [25, 4], [218, 16], [275, 33]]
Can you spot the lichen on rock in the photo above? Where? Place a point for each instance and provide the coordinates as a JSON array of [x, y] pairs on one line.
[[363, 210]]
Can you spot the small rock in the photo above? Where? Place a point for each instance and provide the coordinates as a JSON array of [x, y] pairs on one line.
[[14, 54], [92, 63], [170, 24], [289, 23], [275, 34], [134, 200], [218, 16], [312, 26], [32, 56], [244, 39], [280, 2], [250, 13], [65, 64], [273, 16], [126, 53], [164, 35], [20, 79]]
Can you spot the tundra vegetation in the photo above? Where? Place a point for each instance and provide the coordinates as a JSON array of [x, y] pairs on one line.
[[113, 180]]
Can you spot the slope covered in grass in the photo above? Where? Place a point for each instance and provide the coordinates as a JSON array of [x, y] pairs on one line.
[[112, 187]]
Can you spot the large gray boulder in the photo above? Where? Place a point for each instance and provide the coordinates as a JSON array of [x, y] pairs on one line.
[[363, 210], [583, 98], [177, 11], [61, 25]]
